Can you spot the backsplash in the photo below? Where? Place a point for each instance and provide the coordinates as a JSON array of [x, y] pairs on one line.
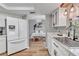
[[63, 30]]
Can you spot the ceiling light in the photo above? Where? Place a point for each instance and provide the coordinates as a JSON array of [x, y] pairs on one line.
[[72, 8], [21, 8], [65, 13], [32, 12], [38, 20]]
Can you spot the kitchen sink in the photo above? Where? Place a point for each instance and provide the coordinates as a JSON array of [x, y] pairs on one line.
[[67, 41]]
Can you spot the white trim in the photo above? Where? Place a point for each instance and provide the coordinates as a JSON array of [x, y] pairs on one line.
[[2, 5], [16, 8]]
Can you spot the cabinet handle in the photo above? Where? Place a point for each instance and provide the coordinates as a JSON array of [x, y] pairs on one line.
[[55, 53], [55, 45], [16, 42]]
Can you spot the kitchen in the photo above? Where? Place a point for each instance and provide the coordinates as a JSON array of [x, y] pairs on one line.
[[64, 40], [49, 27]]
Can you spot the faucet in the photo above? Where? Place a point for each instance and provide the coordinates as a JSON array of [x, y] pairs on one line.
[[74, 35]]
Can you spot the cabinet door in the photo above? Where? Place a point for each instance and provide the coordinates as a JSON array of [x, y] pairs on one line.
[[53, 20], [49, 44], [62, 17], [53, 52], [57, 47], [59, 17], [2, 21], [57, 53], [63, 50], [47, 40], [56, 17], [2, 45], [70, 54]]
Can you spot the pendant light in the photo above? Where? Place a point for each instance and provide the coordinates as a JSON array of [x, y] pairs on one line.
[[72, 8], [65, 12]]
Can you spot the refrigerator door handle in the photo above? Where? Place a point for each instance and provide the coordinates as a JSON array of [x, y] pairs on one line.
[[16, 42]]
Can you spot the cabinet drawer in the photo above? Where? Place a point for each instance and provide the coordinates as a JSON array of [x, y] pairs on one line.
[[56, 52], [66, 53], [62, 50]]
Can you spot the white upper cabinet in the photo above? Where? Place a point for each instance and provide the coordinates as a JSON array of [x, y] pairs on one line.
[[58, 17], [2, 21]]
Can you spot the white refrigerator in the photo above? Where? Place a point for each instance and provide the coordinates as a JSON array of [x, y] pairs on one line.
[[16, 41]]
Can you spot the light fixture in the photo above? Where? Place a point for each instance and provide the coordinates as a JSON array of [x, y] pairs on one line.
[[72, 8], [65, 13], [38, 20]]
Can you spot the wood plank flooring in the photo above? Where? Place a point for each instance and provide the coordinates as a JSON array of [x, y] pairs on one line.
[[37, 48]]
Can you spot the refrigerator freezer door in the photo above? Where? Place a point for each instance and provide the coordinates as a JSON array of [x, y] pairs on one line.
[[16, 46]]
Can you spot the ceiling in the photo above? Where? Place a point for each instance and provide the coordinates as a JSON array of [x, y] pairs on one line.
[[25, 8]]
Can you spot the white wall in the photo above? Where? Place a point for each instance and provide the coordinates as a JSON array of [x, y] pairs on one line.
[[32, 20], [31, 28], [36, 16]]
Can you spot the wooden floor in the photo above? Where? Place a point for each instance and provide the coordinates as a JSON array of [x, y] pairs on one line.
[[37, 48]]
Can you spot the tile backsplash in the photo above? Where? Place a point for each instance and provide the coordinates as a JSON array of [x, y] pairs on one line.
[[63, 30]]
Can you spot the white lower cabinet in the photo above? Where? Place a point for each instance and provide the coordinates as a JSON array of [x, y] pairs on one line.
[[49, 44], [70, 54], [56, 49], [57, 53], [2, 45], [52, 51], [2, 21], [63, 51]]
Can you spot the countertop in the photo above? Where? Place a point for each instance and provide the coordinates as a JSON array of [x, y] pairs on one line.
[[2, 36], [70, 45], [67, 43]]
